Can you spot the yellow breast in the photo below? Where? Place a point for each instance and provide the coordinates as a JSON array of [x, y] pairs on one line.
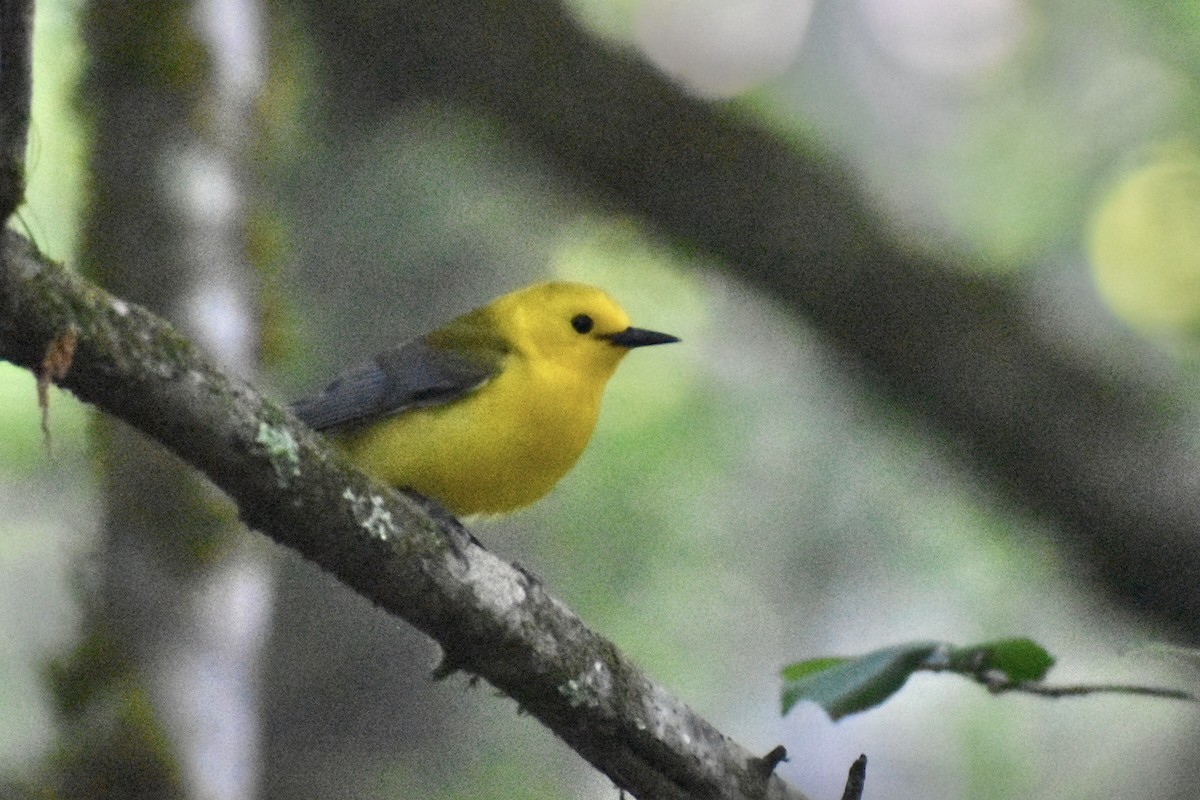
[[500, 448]]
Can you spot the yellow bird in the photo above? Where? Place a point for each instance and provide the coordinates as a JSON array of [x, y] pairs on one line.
[[488, 412]]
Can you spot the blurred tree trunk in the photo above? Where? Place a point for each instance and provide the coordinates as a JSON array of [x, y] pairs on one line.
[[16, 30], [172, 657], [1109, 459]]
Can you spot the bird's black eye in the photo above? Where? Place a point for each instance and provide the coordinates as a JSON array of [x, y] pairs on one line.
[[582, 323]]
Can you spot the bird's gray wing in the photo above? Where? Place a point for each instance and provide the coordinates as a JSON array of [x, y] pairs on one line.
[[413, 375]]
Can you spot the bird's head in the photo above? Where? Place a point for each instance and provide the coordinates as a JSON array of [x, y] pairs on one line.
[[573, 325]]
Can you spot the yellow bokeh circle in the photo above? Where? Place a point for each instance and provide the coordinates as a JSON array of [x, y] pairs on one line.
[[1144, 246]]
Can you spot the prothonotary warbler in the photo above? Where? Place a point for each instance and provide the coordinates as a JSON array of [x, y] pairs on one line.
[[488, 412]]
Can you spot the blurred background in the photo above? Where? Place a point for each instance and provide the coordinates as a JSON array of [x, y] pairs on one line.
[[936, 268]]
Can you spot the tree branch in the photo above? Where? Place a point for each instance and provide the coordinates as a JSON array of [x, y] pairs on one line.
[[490, 619]]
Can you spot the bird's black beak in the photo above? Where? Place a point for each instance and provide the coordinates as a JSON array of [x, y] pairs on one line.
[[638, 337]]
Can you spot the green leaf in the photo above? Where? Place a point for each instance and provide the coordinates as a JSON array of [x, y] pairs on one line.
[[1019, 660], [844, 686], [801, 669]]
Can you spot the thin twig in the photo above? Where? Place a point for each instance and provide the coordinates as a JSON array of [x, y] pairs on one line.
[[1080, 690]]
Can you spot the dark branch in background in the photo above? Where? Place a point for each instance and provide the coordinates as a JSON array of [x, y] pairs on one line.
[[490, 619], [16, 33], [1111, 462]]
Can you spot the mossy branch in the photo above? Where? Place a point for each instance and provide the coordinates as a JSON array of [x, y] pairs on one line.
[[491, 619]]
